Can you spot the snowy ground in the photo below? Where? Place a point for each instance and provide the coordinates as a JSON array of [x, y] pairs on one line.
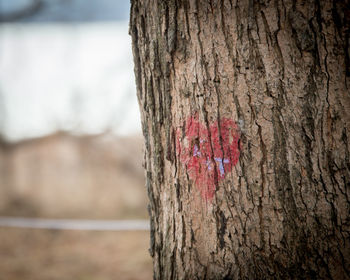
[[58, 76]]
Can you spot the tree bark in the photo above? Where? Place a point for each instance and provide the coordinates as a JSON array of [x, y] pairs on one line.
[[245, 111]]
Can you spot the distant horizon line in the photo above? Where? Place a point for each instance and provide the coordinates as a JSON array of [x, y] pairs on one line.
[[75, 224], [4, 141]]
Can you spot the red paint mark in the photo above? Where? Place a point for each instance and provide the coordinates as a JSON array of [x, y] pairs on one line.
[[209, 154]]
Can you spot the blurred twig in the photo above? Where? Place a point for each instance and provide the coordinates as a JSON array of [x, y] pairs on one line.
[[33, 8]]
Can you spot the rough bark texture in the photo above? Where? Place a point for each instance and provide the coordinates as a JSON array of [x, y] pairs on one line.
[[280, 71]]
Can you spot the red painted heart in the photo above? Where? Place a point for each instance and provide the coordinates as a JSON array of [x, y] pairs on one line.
[[208, 154]]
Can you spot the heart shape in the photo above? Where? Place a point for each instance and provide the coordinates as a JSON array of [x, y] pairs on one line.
[[209, 153]]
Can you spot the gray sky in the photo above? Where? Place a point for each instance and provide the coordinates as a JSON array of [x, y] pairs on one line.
[[66, 10]]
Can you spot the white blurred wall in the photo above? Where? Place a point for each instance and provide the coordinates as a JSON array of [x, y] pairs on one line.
[[57, 76]]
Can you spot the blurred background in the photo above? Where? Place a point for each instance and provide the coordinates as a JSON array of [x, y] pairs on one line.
[[70, 140]]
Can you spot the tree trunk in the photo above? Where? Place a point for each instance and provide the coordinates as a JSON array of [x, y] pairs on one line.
[[245, 111]]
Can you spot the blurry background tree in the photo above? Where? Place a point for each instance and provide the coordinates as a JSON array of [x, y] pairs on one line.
[[245, 110]]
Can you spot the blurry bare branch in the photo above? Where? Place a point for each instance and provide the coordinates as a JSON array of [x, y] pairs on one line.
[[29, 10]]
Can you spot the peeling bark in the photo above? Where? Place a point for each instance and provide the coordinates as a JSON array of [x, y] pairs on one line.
[[280, 71]]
